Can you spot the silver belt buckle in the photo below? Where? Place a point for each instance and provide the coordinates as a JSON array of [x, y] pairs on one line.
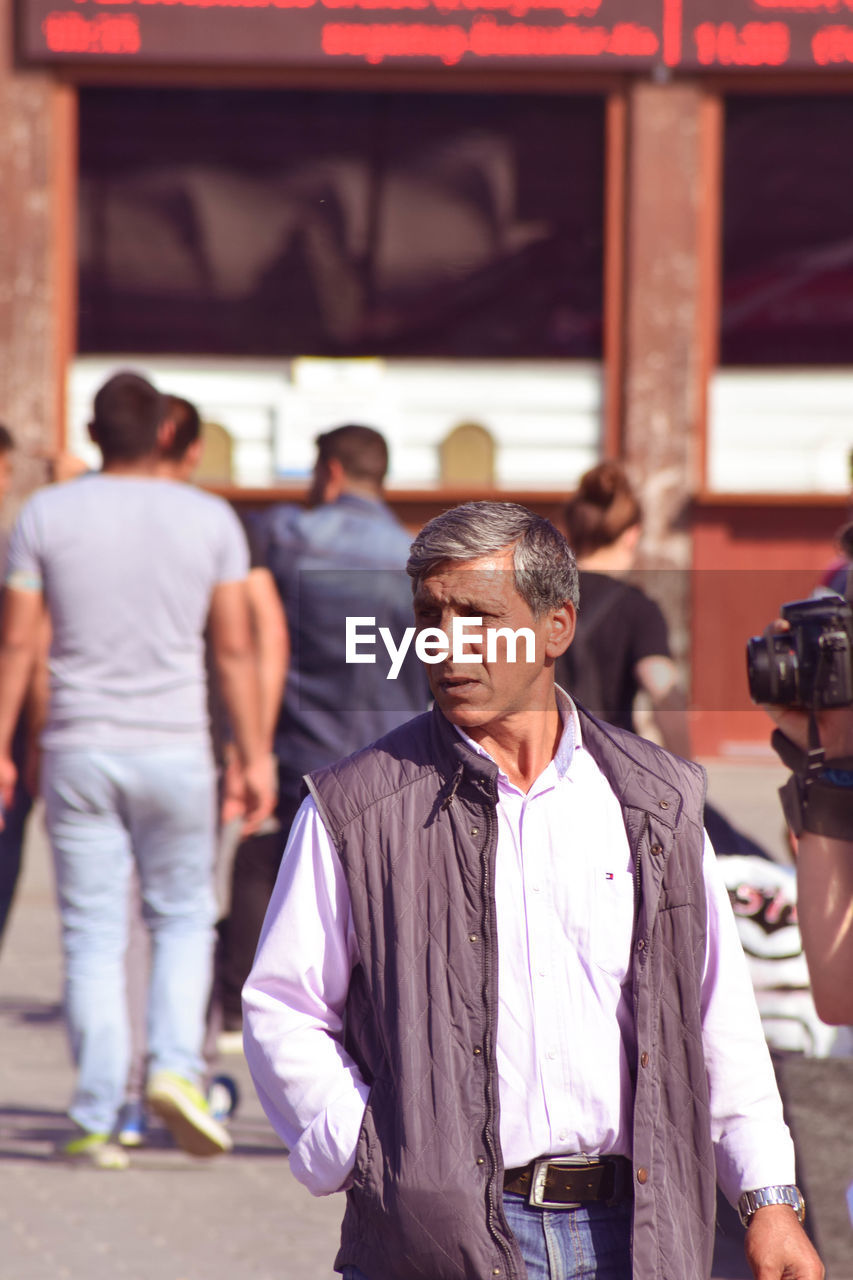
[[536, 1196]]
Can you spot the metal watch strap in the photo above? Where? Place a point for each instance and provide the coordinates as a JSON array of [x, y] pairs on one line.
[[751, 1201]]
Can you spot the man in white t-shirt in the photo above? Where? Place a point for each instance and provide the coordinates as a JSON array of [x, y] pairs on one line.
[[133, 568]]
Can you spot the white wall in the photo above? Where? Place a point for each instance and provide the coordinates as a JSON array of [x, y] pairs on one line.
[[545, 416], [780, 430]]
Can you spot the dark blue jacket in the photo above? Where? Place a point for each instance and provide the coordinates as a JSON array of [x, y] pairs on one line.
[[344, 558]]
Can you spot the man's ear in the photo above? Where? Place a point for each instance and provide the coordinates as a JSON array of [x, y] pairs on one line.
[[165, 435], [335, 479], [192, 457], [327, 483], [561, 630]]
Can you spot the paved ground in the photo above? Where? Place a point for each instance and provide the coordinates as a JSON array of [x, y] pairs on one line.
[[241, 1217], [244, 1217]]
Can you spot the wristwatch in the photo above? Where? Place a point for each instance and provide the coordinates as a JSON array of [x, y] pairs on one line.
[[750, 1201]]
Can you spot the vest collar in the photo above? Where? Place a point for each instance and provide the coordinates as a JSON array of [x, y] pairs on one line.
[[456, 755], [634, 782]]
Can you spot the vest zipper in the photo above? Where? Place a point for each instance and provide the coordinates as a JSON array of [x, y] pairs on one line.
[[492, 1212], [635, 1000], [644, 832]]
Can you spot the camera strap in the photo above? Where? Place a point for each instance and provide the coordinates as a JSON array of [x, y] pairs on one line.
[[818, 796], [816, 753]]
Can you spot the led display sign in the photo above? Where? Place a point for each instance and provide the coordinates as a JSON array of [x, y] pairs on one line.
[[609, 34], [745, 34]]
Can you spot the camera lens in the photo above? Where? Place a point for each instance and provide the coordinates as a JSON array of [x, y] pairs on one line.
[[772, 670], [758, 669]]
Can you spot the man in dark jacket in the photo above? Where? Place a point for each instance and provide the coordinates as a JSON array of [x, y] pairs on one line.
[[499, 998], [342, 556]]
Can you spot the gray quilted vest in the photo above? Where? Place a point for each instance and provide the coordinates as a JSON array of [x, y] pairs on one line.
[[413, 818]]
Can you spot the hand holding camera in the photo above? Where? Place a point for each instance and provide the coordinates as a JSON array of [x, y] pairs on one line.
[[801, 670], [835, 720], [804, 659]]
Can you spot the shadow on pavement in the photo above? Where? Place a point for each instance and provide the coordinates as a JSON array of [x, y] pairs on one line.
[[30, 1013]]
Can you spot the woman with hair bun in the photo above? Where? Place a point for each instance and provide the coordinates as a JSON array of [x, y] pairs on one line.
[[621, 644]]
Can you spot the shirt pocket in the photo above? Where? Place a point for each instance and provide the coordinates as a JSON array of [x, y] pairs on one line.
[[612, 921]]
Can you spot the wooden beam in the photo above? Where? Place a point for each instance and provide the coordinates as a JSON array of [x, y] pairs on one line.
[[28, 313], [615, 192], [65, 173], [709, 248]]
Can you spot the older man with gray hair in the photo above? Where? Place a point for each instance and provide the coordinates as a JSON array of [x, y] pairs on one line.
[[499, 998]]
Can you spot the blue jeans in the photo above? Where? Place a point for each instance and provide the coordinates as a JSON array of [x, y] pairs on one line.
[[103, 811], [590, 1243]]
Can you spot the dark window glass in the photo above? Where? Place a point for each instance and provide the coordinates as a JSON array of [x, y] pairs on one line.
[[278, 223], [788, 231]]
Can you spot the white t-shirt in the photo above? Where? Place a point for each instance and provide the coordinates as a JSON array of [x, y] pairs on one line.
[[128, 566]]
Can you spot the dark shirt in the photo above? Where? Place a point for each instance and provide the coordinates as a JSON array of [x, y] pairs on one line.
[[618, 624]]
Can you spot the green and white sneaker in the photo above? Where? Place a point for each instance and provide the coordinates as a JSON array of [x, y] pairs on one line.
[[186, 1114], [95, 1150]]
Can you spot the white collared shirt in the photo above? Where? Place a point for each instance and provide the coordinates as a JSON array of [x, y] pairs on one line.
[[565, 1036]]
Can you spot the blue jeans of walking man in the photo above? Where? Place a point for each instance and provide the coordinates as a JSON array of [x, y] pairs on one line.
[[104, 810]]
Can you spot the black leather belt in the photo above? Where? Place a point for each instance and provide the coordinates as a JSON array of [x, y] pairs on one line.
[[567, 1182]]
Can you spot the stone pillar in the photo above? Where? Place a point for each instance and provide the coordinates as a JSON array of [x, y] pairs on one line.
[[673, 131], [36, 256]]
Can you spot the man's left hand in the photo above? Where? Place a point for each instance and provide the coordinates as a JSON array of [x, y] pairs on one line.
[[258, 779], [233, 797], [777, 1247]]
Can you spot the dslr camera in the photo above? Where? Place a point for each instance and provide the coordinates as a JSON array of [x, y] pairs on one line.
[[809, 666]]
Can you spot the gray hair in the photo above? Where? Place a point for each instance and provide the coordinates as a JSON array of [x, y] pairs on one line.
[[545, 573]]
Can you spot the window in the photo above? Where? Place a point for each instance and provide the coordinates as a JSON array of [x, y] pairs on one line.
[[781, 404], [275, 223]]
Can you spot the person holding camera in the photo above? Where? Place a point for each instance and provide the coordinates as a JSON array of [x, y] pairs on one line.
[[824, 833], [800, 671]]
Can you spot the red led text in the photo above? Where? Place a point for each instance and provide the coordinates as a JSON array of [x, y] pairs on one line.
[[832, 45], [72, 33], [486, 39], [757, 44]]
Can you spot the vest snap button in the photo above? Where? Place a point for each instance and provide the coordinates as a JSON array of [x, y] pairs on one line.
[[472, 937], [642, 1176], [480, 1160], [644, 1060], [475, 831], [641, 945], [477, 1051], [664, 804], [656, 849]]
